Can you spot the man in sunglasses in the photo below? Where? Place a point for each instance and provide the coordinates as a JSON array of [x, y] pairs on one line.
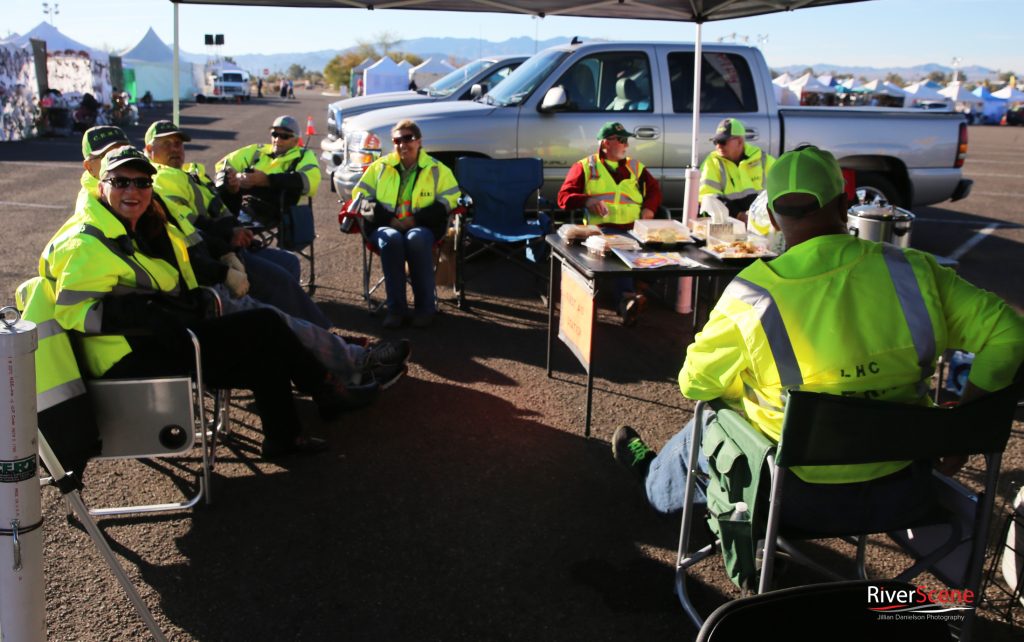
[[615, 190], [734, 174], [262, 180]]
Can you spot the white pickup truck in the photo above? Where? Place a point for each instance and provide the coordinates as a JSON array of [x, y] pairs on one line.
[[553, 105]]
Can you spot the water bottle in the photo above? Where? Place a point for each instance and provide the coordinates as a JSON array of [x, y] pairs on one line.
[[354, 209]]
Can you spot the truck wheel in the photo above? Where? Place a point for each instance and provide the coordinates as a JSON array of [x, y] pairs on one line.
[[872, 188], [200, 98]]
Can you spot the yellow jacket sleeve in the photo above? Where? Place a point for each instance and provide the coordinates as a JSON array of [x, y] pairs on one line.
[[714, 361]]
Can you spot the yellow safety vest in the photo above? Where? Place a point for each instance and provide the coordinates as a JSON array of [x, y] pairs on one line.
[[91, 258], [207, 201], [722, 177], [434, 182], [57, 376], [175, 188], [857, 318], [260, 157], [624, 200]]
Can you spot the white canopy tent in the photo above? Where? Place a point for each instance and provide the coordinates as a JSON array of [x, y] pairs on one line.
[[956, 92], [1010, 94], [783, 79], [695, 11], [895, 94], [153, 63], [430, 70], [57, 42], [922, 91], [807, 84], [384, 75]]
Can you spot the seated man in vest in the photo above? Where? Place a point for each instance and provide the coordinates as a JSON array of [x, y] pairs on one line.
[[732, 176], [262, 180], [834, 314], [615, 190]]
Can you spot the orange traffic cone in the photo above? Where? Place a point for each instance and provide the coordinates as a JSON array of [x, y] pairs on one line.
[[310, 129]]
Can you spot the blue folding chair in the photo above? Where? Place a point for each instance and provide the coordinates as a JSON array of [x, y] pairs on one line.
[[497, 219]]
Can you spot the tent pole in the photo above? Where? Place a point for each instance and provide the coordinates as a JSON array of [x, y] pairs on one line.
[[176, 82], [691, 202]]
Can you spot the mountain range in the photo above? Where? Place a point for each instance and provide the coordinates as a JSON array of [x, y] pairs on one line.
[[466, 49]]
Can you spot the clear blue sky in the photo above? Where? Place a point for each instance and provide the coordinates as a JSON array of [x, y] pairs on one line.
[[880, 33]]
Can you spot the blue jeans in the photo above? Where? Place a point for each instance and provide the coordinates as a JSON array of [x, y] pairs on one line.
[[272, 284], [283, 259], [666, 478], [415, 246], [330, 350]]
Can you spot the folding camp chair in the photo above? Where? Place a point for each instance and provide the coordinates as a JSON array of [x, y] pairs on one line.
[[351, 222], [150, 417], [947, 539], [496, 219]]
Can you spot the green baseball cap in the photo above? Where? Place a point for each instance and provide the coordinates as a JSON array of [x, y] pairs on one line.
[[97, 140], [162, 128], [612, 128], [125, 156], [286, 122], [729, 128], [805, 170]]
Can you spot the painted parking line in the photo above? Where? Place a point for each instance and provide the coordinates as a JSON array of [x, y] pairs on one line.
[[971, 242], [41, 164], [38, 206]]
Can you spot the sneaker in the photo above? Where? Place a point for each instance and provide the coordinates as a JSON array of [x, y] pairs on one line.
[[392, 321], [387, 376], [333, 397], [631, 452], [388, 353]]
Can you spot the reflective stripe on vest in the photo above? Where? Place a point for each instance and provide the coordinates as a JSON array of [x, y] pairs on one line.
[[908, 291], [775, 331], [59, 394], [142, 278]]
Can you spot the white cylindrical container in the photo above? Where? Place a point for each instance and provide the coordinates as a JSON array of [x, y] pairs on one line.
[[22, 599], [691, 208]]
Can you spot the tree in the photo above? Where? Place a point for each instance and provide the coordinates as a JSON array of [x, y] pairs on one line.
[[808, 70], [295, 71], [338, 71], [895, 79]]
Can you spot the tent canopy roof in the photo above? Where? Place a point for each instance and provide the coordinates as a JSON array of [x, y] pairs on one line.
[[680, 10], [56, 41], [1010, 93], [150, 49]]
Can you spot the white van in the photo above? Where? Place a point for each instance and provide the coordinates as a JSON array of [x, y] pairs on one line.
[[224, 83]]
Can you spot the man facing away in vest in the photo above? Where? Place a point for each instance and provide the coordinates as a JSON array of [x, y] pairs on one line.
[[834, 314]]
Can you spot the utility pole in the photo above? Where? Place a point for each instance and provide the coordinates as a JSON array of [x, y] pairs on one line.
[[957, 60], [51, 11]]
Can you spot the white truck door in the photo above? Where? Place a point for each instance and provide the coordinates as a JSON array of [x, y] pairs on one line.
[[600, 87], [728, 90]]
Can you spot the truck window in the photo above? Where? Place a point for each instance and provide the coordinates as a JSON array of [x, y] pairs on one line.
[[613, 81], [227, 77], [727, 85]]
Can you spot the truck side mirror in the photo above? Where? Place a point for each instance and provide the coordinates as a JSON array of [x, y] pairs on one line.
[[555, 99], [478, 89]]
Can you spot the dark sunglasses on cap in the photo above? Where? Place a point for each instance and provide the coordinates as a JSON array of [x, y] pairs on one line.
[[122, 182], [404, 138], [282, 135], [622, 139]]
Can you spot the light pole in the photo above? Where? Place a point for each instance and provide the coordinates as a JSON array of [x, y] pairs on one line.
[[956, 68], [51, 11]]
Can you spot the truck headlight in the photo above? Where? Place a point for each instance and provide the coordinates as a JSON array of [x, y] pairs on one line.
[[361, 149]]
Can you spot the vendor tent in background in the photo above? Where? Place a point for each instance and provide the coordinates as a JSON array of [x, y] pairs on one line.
[[383, 76], [152, 62], [782, 80], [71, 67], [993, 108], [357, 74], [1010, 94], [965, 101], [809, 91], [922, 92], [695, 11], [430, 70], [885, 94]]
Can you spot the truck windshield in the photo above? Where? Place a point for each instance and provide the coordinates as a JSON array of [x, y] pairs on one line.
[[228, 77], [443, 87], [521, 82]]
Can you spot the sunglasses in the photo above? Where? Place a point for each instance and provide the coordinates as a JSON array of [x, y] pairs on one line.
[[405, 138], [281, 135], [122, 182], [622, 139]]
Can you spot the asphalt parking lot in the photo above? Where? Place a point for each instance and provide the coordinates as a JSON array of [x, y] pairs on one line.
[[465, 504]]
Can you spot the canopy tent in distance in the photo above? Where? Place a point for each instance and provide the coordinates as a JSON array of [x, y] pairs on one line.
[[695, 11]]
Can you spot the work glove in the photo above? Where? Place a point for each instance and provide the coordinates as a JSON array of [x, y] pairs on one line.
[[715, 208], [237, 282], [233, 262]]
